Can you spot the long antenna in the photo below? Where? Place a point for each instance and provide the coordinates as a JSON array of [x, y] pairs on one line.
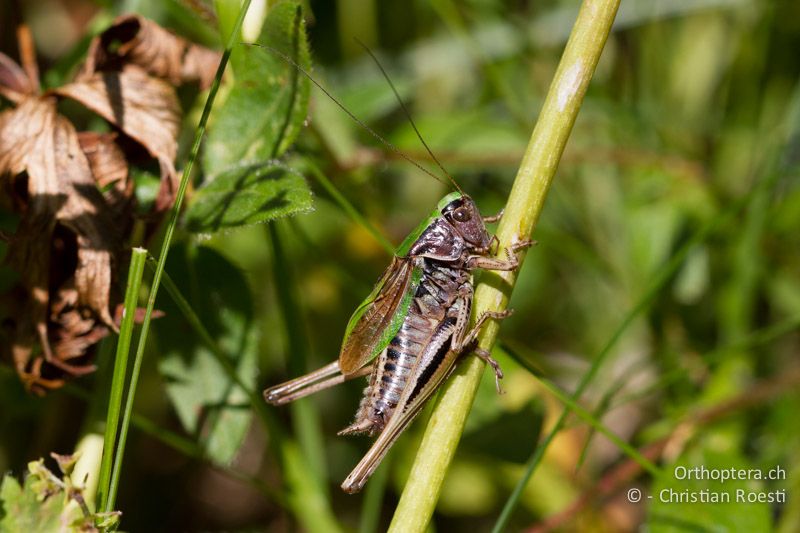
[[361, 123], [408, 115]]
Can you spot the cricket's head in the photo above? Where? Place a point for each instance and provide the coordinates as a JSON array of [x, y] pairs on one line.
[[462, 213]]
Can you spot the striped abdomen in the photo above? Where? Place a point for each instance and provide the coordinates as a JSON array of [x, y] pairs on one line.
[[423, 336]]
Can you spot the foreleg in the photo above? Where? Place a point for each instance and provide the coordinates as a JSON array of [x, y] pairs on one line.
[[494, 218], [491, 263]]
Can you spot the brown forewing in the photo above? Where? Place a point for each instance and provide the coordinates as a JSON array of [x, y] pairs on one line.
[[361, 342]]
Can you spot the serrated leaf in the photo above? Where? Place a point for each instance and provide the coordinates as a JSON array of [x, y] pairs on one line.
[[267, 105], [25, 508], [207, 402], [247, 195]]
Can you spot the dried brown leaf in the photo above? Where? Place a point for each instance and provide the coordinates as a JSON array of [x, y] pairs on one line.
[[107, 160], [110, 170], [14, 83], [143, 107], [66, 235], [74, 191], [136, 40]]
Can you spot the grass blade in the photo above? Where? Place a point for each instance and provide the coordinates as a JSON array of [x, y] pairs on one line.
[[305, 463], [348, 208], [588, 417], [135, 272], [373, 499], [295, 464]]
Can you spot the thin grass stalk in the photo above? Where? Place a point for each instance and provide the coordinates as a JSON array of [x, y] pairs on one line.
[[186, 447], [522, 211], [374, 494], [450, 13], [135, 273], [304, 417], [162, 257], [348, 208], [590, 418], [295, 464], [664, 275]]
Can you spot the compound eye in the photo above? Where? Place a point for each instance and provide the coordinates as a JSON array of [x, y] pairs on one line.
[[461, 215]]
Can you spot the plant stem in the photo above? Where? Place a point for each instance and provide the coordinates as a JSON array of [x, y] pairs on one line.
[[522, 211], [135, 272], [162, 257]]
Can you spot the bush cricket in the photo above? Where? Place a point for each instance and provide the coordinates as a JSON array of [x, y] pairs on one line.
[[408, 334]]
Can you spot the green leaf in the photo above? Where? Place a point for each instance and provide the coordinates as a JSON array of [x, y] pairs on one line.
[[267, 105], [260, 119], [247, 195], [31, 508], [208, 404]]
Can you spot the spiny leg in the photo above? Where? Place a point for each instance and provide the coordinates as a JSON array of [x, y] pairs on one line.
[[472, 334], [490, 263], [522, 244], [470, 337]]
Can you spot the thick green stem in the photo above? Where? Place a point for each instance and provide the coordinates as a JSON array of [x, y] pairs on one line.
[[521, 214]]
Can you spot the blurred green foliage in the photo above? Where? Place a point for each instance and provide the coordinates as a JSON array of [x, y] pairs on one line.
[[693, 118]]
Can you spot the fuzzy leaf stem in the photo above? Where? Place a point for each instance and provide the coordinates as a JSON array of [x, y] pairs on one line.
[[522, 211]]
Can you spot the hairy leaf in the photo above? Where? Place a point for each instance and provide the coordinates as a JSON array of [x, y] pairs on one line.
[[22, 510], [46, 502], [269, 99], [248, 195]]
